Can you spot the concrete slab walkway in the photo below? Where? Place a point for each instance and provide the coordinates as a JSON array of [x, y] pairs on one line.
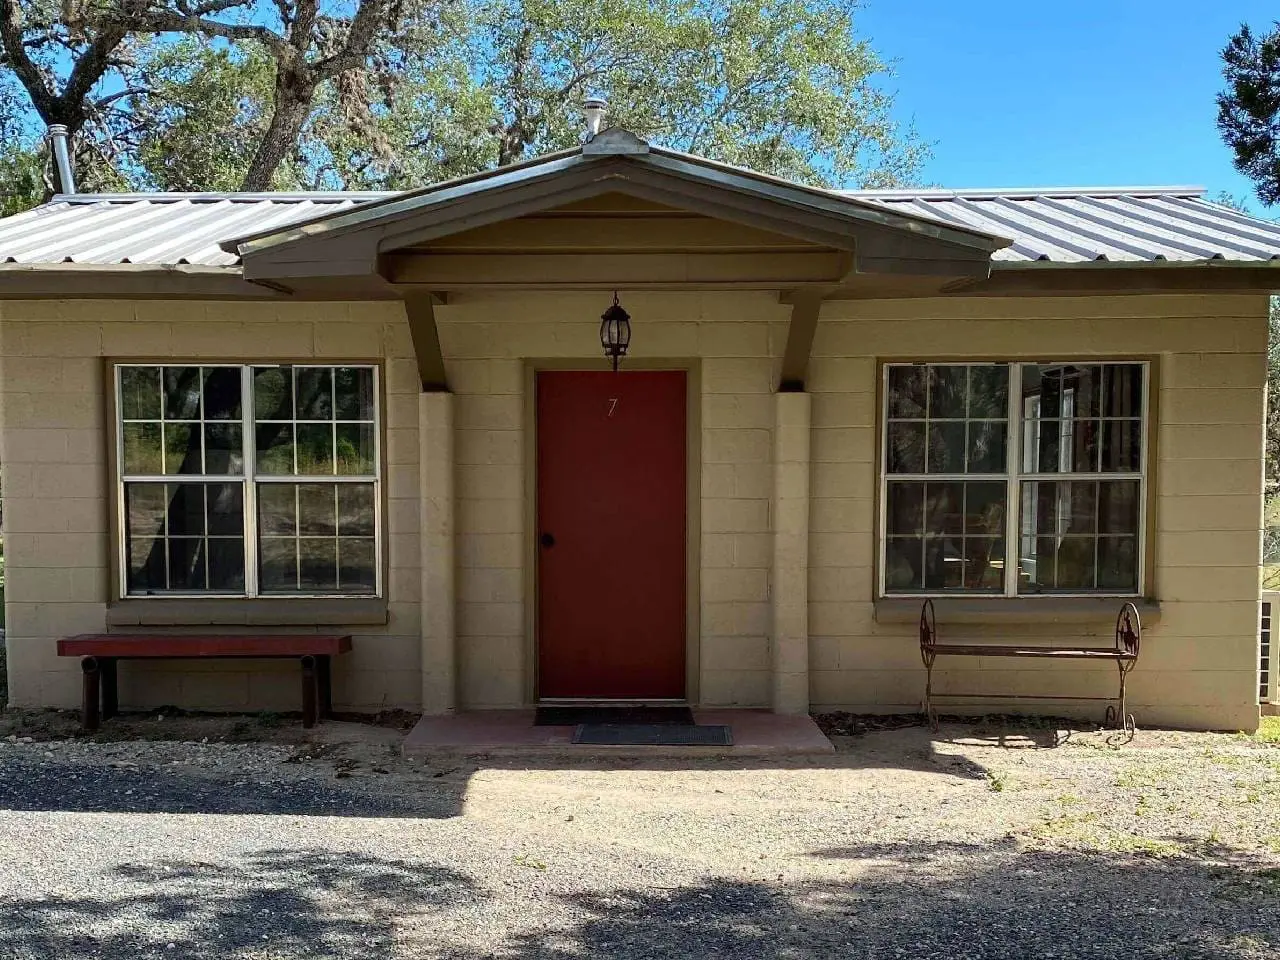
[[756, 733]]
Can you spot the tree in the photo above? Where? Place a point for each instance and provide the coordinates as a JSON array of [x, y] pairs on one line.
[[78, 61], [1249, 109]]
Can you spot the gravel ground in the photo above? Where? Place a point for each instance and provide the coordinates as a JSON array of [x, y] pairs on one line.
[[977, 842]]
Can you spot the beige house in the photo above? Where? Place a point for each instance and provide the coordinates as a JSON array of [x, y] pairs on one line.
[[392, 416]]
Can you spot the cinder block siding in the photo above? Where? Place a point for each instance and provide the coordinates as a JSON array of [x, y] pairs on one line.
[[1199, 661], [53, 452], [737, 340]]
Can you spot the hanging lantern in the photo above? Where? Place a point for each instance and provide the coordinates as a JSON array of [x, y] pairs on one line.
[[615, 332]]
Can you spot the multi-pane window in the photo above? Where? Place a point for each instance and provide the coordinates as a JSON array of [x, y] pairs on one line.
[[1004, 478], [248, 481]]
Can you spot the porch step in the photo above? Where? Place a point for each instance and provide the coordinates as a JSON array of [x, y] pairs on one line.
[[654, 734]]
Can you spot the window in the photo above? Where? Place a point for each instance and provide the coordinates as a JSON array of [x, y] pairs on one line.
[[248, 481], [1008, 478]]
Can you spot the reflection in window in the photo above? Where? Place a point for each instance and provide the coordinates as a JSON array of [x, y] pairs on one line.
[[1076, 486], [185, 437]]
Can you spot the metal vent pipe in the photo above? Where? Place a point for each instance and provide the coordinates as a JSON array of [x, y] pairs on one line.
[[58, 141]]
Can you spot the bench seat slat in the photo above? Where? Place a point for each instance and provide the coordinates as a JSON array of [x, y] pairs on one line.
[[1003, 650], [203, 645]]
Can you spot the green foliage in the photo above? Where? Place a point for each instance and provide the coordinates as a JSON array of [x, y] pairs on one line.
[[786, 87], [1249, 108]]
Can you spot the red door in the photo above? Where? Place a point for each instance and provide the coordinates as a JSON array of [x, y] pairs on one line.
[[611, 534]]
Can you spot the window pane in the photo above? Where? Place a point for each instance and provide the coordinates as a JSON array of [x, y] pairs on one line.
[[315, 449], [184, 515], [275, 448], [984, 508], [1037, 565], [903, 567], [356, 572], [1121, 446], [182, 393], [279, 569], [226, 564], [318, 565], [273, 393], [222, 393], [142, 449], [943, 563], [1119, 506], [944, 508], [182, 449], [225, 510], [908, 388], [1118, 563], [1060, 507], [223, 448], [905, 448], [355, 449], [989, 392], [1081, 391], [353, 390], [314, 393], [987, 446], [1061, 446], [984, 563], [1123, 394], [948, 388], [144, 508], [186, 564], [147, 565], [140, 393], [1076, 563], [277, 509], [1042, 391], [946, 447], [317, 510], [355, 510]]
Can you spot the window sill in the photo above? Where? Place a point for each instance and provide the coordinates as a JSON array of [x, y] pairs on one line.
[[1029, 610], [264, 612]]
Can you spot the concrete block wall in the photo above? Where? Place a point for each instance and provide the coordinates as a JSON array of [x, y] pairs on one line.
[[1199, 661], [736, 340], [53, 457]]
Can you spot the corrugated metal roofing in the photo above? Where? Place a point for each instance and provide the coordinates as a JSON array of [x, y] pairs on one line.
[[1059, 225], [1121, 224]]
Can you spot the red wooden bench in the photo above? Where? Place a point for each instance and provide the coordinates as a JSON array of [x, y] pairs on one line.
[[99, 653], [1123, 653]]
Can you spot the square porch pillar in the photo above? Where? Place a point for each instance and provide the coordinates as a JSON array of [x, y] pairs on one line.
[[439, 653], [790, 580]]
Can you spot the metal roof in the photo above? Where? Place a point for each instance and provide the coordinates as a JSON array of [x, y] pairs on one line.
[[1107, 224], [1047, 225]]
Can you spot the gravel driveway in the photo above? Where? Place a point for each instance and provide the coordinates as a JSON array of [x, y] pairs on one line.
[[986, 844]]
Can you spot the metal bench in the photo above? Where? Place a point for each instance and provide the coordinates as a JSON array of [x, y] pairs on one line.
[[1124, 654], [100, 653]]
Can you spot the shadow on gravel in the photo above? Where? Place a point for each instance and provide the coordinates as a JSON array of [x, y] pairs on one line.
[[35, 783], [940, 903], [276, 904]]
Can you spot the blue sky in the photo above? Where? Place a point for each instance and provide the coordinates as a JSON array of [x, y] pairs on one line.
[[1065, 94]]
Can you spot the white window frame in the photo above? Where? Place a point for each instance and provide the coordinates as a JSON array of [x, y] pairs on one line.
[[248, 481], [1014, 478]]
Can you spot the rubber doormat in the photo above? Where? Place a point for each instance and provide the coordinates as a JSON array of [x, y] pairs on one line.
[[565, 716], [654, 734]]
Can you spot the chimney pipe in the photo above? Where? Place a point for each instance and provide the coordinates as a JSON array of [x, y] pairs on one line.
[[594, 108], [58, 138]]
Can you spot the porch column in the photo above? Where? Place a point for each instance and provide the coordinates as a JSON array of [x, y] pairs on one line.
[[435, 452], [790, 581]]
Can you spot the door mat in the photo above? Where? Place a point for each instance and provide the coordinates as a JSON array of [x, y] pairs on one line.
[[654, 734], [561, 716]]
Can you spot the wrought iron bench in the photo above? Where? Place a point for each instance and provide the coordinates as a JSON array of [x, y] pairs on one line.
[[1124, 654], [99, 654]]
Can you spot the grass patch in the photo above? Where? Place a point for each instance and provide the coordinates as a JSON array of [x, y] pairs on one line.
[[1268, 730]]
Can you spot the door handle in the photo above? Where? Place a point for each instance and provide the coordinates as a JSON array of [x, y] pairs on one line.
[[547, 540]]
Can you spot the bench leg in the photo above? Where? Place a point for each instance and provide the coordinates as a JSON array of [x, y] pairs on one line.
[[309, 706], [110, 692], [91, 690], [928, 693], [324, 680]]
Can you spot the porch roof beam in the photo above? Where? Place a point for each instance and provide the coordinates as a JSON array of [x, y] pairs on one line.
[[806, 305], [420, 311]]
